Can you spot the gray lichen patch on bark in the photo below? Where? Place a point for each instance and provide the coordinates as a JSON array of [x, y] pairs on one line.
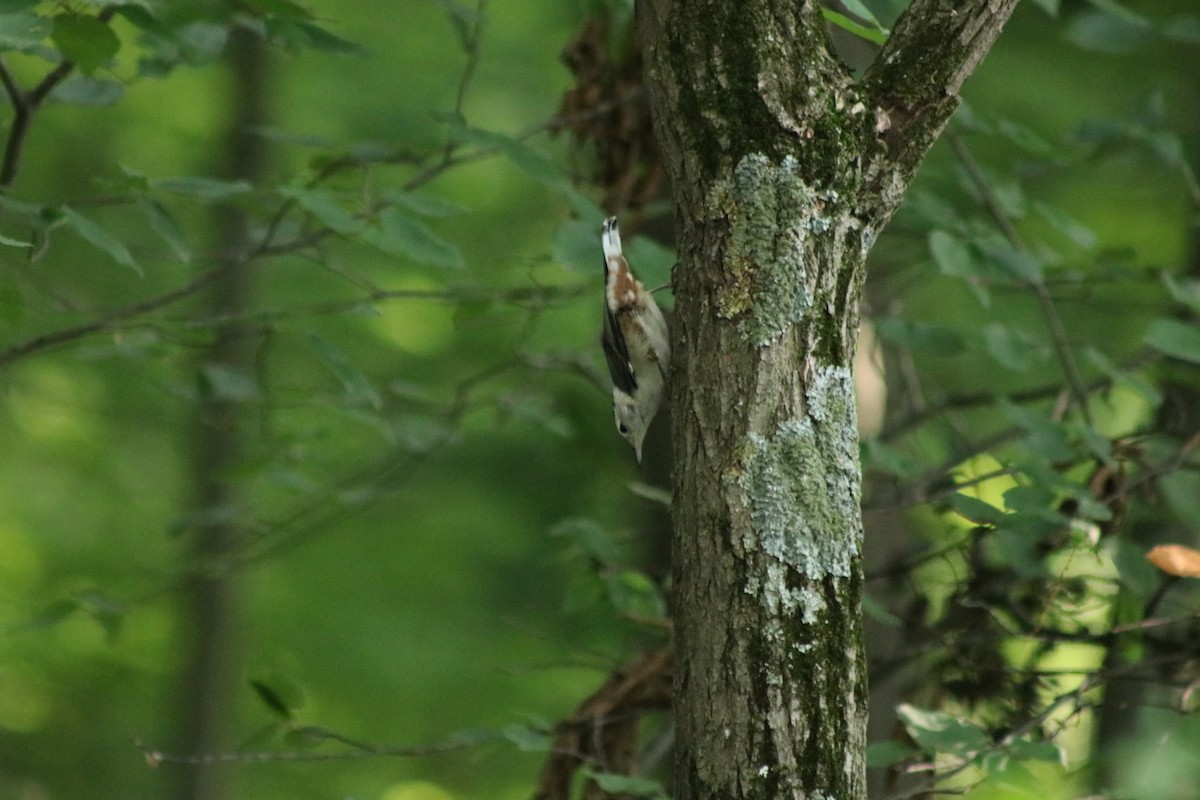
[[801, 483], [794, 503], [771, 211]]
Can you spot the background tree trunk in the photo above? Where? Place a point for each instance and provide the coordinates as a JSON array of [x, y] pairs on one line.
[[784, 170], [209, 677]]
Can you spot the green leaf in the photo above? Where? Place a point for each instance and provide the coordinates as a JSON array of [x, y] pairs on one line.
[[14, 242], [575, 244], [353, 380], [399, 234], [1010, 348], [1067, 225], [939, 732], [1174, 338], [1185, 291], [920, 337], [12, 300], [1139, 384], [1024, 137], [229, 383], [953, 255], [1105, 33], [16, 6], [85, 40], [302, 34], [203, 188], [100, 238], [527, 739], [278, 692], [19, 30], [627, 784], [876, 35], [1017, 263], [859, 9], [322, 205], [463, 17], [1046, 438], [656, 494], [887, 753], [286, 9], [163, 224], [877, 612], [526, 159], [80, 90], [590, 537], [424, 205], [976, 510], [633, 593]]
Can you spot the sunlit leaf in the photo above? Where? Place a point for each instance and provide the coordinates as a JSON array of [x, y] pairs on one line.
[[976, 510], [627, 784], [1176, 559], [939, 732], [871, 34]]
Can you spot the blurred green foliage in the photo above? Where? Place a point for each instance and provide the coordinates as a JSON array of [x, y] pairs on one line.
[[441, 532]]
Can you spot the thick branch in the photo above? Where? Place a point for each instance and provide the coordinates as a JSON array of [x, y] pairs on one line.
[[913, 83]]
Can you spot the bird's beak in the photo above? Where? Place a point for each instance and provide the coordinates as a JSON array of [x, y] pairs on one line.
[[637, 451]]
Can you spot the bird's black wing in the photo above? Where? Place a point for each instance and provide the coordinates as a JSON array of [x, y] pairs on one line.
[[616, 353]]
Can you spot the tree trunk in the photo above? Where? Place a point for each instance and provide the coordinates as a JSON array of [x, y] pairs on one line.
[[210, 595], [784, 170]]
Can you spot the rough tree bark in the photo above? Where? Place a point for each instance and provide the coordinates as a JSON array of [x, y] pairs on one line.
[[784, 168]]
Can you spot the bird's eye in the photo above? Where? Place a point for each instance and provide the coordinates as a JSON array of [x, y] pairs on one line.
[[622, 428]]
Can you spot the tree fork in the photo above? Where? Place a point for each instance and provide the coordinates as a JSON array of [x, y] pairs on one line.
[[784, 170]]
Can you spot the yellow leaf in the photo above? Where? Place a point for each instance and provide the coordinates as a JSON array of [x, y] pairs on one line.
[[1175, 559]]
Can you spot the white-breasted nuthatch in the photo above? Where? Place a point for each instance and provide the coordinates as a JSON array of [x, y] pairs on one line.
[[636, 342]]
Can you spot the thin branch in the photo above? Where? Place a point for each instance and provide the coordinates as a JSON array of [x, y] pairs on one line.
[[106, 321], [25, 105], [155, 757], [912, 85], [1058, 332]]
